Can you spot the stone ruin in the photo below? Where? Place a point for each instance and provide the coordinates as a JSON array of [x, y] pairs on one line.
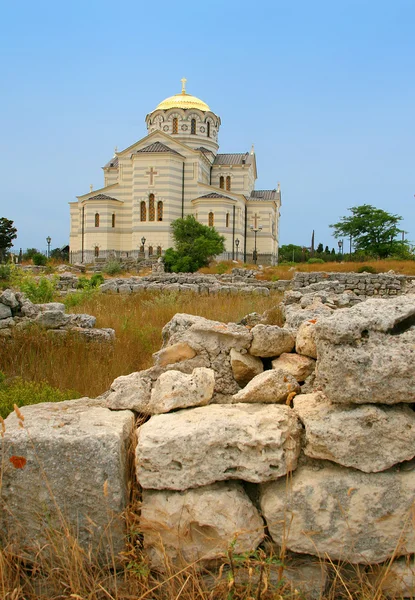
[[18, 312], [303, 432]]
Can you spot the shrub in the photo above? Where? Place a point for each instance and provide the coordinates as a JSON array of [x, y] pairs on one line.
[[112, 267], [39, 291], [367, 269], [5, 272], [221, 268], [21, 392], [315, 261], [39, 259], [96, 280], [274, 278]]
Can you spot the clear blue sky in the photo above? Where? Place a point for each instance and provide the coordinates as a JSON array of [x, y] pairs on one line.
[[325, 90]]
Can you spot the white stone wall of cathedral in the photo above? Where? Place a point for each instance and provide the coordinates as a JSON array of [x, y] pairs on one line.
[[162, 120], [242, 178]]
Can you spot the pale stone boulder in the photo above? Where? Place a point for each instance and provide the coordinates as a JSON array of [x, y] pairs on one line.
[[173, 354], [198, 524], [82, 320], [104, 334], [245, 367], [5, 311], [300, 367], [272, 386], [52, 319], [54, 306], [9, 299], [174, 389], [369, 438], [131, 392], [271, 340], [191, 448], [5, 323], [305, 343], [396, 580], [344, 513], [366, 353], [66, 468]]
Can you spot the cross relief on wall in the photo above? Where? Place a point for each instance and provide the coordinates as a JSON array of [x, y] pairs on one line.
[[151, 175]]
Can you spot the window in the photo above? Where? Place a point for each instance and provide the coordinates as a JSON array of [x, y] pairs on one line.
[[113, 220], [96, 219], [143, 211], [222, 182], [227, 219], [142, 250], [96, 251], [208, 128], [150, 250], [151, 209], [193, 126], [175, 125], [158, 250], [159, 210], [211, 219], [228, 182]]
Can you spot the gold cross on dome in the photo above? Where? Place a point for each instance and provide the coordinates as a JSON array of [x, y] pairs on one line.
[[184, 80]]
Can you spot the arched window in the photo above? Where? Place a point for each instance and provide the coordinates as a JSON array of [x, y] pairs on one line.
[[142, 249], [211, 219], [150, 250], [113, 220], [228, 182], [158, 250], [222, 182], [227, 219], [143, 211], [96, 251], [175, 125], [159, 210], [151, 209], [208, 128], [193, 126], [96, 219]]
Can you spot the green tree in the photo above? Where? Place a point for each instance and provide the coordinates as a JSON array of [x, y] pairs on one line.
[[292, 253], [320, 249], [29, 254], [8, 233], [373, 231], [195, 245]]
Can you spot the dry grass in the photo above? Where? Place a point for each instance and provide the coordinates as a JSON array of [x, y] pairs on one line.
[[90, 368]]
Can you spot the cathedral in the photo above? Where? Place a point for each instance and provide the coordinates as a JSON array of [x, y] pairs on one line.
[[174, 171]]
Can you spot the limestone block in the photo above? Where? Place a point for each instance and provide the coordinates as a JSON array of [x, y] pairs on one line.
[[108, 286], [191, 448], [54, 306], [68, 466], [80, 320], [305, 343], [244, 366], [173, 354], [9, 299], [269, 387], [271, 340], [104, 334], [52, 319], [124, 288], [174, 389], [396, 580], [6, 323], [294, 315], [198, 524], [369, 438], [370, 349], [28, 309], [5, 311], [130, 392], [300, 367], [344, 513]]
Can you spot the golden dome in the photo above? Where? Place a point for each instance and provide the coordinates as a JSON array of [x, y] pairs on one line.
[[183, 101]]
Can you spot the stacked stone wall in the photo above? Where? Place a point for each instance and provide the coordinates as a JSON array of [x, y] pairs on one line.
[[304, 431], [362, 284]]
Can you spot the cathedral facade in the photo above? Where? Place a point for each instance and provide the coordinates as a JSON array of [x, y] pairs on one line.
[[174, 171]]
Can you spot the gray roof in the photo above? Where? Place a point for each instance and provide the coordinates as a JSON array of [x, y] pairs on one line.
[[103, 197], [158, 147], [204, 150], [263, 195], [215, 195], [233, 159], [111, 163]]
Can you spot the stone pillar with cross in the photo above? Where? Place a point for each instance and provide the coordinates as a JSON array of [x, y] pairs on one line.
[[151, 173]]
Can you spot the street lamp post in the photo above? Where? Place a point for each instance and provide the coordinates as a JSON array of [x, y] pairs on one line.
[[48, 240], [340, 243], [143, 241], [237, 246]]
